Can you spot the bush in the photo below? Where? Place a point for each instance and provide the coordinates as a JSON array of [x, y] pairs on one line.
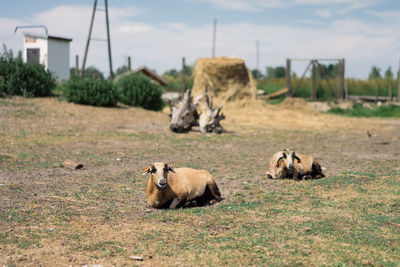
[[25, 79], [90, 92], [138, 90], [175, 82]]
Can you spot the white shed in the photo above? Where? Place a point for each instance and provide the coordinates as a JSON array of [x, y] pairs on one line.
[[50, 51]]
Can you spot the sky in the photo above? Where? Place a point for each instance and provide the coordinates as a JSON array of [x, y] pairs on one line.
[[158, 33]]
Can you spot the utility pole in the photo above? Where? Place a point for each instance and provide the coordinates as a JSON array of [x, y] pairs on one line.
[[88, 40], [108, 41], [214, 37], [257, 56]]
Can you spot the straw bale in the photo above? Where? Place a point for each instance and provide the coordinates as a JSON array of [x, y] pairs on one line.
[[227, 79]]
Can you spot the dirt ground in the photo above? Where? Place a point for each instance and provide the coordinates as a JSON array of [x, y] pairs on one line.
[[99, 215]]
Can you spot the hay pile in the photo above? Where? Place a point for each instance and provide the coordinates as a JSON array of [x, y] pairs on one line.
[[296, 104], [227, 79], [231, 84]]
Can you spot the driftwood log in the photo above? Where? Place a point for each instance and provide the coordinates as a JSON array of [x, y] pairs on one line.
[[184, 115], [210, 118]]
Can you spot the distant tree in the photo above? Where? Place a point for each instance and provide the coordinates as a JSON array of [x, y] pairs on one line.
[[90, 72], [277, 72], [389, 73], [375, 73], [188, 70], [294, 75], [93, 73], [176, 73], [72, 73], [330, 70], [270, 72], [257, 74], [172, 72], [121, 70]]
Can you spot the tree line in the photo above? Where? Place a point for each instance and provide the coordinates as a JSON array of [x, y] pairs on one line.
[[329, 70]]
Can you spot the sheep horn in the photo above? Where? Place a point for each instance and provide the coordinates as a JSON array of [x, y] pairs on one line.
[[146, 170]]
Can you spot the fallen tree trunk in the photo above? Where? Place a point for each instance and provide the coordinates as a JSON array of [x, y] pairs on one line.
[[184, 115], [210, 118], [275, 94]]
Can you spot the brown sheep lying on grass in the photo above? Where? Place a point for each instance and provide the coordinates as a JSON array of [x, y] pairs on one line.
[[288, 164], [167, 185]]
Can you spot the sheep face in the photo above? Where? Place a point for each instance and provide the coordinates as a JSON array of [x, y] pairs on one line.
[[159, 174], [286, 160]]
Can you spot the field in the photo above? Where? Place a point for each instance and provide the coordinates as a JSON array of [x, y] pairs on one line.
[[324, 91], [51, 215]]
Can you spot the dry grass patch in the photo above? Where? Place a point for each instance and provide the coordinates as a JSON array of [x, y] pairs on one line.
[[98, 215]]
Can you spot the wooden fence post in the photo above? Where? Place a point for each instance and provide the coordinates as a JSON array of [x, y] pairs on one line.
[[129, 63], [183, 76], [288, 78], [398, 88], [342, 93], [376, 92], [314, 81], [76, 65], [390, 92]]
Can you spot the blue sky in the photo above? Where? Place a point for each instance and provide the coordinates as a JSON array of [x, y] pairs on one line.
[[157, 33]]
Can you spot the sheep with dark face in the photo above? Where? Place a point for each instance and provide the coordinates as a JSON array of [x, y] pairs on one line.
[[288, 164], [282, 165], [179, 185]]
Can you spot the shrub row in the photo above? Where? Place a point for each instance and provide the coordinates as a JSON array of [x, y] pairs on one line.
[[25, 79], [134, 90], [138, 90], [90, 92]]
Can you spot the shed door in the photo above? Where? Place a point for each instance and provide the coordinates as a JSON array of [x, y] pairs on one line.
[[33, 55]]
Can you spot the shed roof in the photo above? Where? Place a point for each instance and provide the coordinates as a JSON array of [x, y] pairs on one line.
[[146, 71], [48, 37]]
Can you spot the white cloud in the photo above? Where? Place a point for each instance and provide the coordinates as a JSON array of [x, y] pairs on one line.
[[162, 46], [7, 35], [258, 5], [135, 28], [390, 15], [324, 13]]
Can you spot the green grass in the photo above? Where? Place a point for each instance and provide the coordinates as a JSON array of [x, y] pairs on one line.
[[99, 215], [277, 100], [359, 110], [355, 87], [298, 223]]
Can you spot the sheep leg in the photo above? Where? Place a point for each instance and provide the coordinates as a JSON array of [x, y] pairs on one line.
[[296, 175], [174, 203]]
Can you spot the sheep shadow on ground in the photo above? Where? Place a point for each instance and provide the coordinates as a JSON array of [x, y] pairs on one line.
[[207, 199]]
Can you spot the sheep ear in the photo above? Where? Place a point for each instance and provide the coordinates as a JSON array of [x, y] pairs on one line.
[[277, 162], [296, 157], [171, 168], [146, 171]]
